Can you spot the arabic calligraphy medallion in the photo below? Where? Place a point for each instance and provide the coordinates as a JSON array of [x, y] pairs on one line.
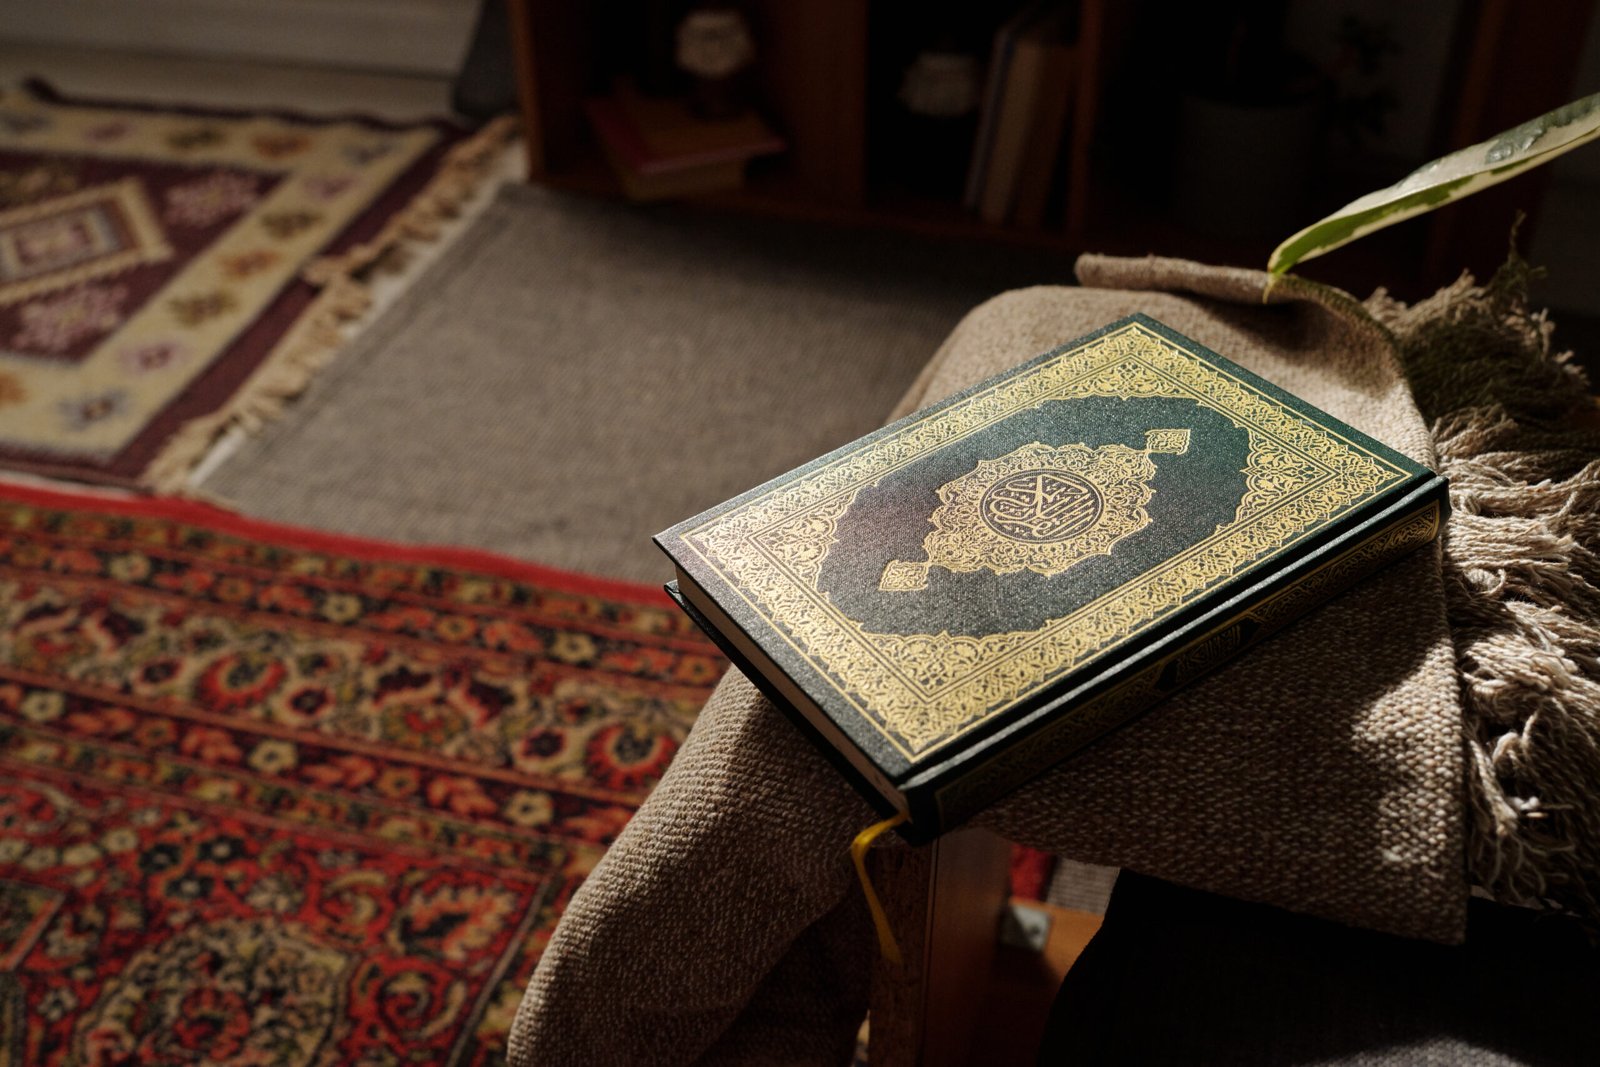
[[1041, 508], [1040, 505]]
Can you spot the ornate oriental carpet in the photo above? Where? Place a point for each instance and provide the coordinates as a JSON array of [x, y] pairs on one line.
[[164, 271], [273, 797]]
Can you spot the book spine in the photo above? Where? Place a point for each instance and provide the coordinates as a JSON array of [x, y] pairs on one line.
[[1023, 81], [999, 57], [944, 801], [870, 791], [1044, 144], [1005, 45], [1086, 107]]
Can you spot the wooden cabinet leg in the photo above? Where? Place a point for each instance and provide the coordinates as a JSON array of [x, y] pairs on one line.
[[944, 903], [520, 30]]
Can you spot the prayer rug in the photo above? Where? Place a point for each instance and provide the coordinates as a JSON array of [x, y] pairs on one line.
[[165, 271], [268, 796]]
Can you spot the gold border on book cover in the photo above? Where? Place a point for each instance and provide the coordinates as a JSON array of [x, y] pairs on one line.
[[1222, 642]]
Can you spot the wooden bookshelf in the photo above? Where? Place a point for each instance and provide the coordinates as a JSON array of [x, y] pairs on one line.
[[821, 80]]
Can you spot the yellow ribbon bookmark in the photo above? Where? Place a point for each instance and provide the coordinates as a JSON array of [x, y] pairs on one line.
[[858, 852]]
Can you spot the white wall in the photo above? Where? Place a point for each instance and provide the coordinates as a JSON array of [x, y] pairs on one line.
[[413, 36]]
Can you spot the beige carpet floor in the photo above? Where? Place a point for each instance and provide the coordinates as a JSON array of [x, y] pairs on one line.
[[573, 375]]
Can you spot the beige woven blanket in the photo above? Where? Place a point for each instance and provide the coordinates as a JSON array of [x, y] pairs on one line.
[[1322, 773]]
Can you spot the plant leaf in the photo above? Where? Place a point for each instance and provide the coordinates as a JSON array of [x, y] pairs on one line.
[[1452, 177]]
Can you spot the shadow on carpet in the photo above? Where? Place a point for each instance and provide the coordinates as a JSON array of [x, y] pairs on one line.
[[574, 375]]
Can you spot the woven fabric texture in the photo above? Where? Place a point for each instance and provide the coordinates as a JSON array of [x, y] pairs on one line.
[[1322, 773], [1518, 433]]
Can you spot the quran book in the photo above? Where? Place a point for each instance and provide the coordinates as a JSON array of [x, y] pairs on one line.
[[957, 601]]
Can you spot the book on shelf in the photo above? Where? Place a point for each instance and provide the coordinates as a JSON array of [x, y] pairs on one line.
[[1099, 22], [1041, 49], [1041, 159], [1031, 81], [1005, 41], [660, 148], [957, 601]]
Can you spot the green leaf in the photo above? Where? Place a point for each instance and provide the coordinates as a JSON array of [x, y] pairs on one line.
[[1457, 175]]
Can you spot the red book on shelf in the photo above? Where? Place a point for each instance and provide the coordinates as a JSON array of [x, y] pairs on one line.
[[659, 147]]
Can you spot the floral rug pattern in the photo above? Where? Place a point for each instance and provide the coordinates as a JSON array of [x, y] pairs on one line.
[[150, 261], [268, 796]]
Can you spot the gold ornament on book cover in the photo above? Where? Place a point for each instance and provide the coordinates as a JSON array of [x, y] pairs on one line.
[[922, 691], [1041, 508]]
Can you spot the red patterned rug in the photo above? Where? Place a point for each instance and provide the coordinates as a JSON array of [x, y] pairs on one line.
[[272, 797], [165, 271]]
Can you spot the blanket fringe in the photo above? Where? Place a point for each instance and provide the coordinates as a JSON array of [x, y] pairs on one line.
[[344, 297], [1516, 433]]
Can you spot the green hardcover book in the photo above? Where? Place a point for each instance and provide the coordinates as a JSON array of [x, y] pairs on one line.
[[955, 602]]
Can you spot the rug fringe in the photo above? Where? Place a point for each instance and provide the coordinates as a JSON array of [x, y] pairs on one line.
[[421, 219], [1513, 423], [314, 340]]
